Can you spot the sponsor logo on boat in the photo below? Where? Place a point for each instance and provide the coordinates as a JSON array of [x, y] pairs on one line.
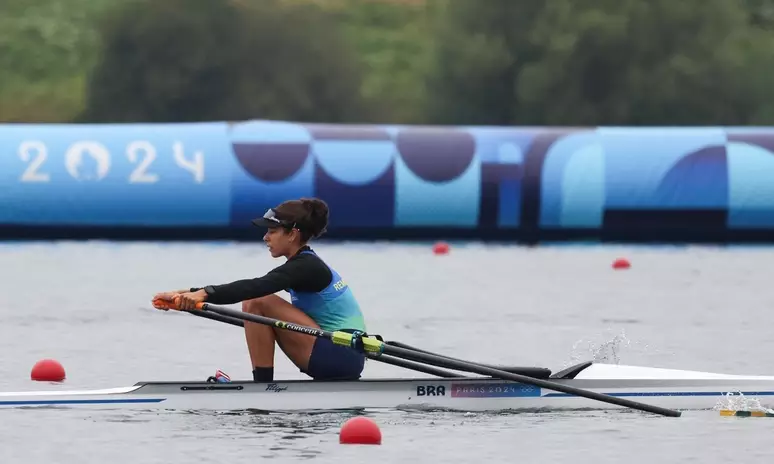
[[431, 390], [275, 387], [490, 390]]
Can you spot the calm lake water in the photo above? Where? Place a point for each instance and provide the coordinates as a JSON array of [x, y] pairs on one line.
[[87, 304]]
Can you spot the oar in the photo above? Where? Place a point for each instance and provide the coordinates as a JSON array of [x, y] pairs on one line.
[[529, 371], [216, 317], [380, 358], [372, 345]]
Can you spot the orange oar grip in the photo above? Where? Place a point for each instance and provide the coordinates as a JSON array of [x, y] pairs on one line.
[[175, 305], [164, 304]]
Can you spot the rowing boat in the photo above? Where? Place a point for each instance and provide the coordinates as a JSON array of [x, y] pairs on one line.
[[668, 388], [587, 385]]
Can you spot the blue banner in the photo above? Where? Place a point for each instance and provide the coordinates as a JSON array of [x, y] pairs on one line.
[[115, 175], [389, 179]]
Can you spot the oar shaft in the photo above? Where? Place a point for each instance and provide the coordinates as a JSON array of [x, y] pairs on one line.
[[485, 370], [529, 371], [266, 320], [425, 369], [217, 317]]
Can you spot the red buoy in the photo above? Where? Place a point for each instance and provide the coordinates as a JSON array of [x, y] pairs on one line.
[[441, 248], [621, 263], [47, 370], [360, 430]]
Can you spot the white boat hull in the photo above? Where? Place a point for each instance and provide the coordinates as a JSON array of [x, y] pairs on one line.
[[675, 389]]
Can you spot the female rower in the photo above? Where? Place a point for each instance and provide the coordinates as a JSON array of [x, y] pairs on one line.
[[320, 298]]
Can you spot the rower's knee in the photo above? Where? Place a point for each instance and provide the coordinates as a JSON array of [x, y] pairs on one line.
[[255, 306]]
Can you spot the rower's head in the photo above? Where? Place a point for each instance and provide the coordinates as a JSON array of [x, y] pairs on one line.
[[292, 224]]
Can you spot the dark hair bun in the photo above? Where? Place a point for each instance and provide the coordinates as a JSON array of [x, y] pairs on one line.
[[317, 211]]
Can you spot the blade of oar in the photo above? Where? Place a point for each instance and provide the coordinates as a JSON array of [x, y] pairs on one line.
[[380, 358], [372, 345]]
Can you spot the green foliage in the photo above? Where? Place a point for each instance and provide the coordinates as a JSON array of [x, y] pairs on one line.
[[596, 62], [195, 60], [392, 40], [654, 62], [557, 62], [45, 49]]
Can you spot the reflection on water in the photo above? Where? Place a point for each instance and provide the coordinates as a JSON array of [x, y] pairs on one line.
[[279, 435]]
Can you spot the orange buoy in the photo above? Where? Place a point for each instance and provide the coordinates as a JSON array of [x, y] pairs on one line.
[[47, 370], [360, 430]]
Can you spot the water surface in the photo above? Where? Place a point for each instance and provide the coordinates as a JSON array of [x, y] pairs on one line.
[[87, 304]]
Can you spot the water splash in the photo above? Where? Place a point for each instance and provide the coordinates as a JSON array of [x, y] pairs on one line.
[[736, 401], [608, 351]]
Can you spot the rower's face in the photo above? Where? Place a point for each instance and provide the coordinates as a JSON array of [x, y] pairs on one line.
[[279, 241]]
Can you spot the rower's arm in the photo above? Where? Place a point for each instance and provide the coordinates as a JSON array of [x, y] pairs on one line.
[[300, 273]]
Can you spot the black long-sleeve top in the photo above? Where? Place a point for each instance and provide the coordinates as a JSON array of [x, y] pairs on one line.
[[302, 272]]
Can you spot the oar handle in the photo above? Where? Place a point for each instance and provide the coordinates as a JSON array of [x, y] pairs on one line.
[[174, 305]]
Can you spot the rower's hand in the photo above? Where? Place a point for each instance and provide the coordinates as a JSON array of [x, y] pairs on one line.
[[189, 300], [165, 300], [180, 300]]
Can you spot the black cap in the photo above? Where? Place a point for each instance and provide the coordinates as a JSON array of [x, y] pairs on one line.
[[261, 222], [270, 220]]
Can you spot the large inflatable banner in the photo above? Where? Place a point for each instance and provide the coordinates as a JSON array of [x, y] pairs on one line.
[[389, 181]]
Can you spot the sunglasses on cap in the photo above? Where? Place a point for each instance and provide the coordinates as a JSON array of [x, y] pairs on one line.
[[271, 220]]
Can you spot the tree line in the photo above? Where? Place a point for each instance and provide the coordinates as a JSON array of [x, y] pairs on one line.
[[492, 62]]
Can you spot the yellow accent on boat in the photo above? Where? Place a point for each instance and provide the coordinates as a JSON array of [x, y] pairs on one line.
[[730, 412]]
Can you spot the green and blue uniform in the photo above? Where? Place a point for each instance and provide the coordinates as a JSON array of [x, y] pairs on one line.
[[333, 308], [320, 292]]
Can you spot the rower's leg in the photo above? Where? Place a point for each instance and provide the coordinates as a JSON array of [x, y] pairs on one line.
[[296, 346], [260, 344]]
